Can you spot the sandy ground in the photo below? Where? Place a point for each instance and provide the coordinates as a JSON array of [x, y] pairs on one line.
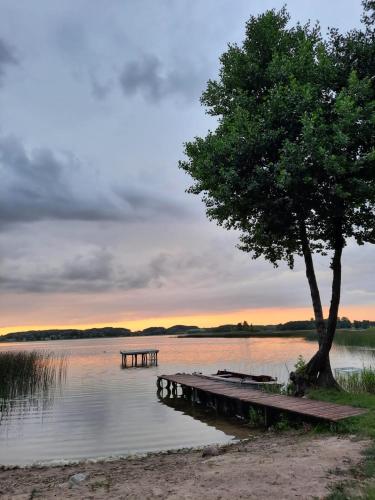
[[281, 466]]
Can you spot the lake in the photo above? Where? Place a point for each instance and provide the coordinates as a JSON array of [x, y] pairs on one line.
[[102, 410]]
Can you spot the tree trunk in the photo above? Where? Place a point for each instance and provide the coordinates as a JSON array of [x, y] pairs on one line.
[[311, 278], [318, 370]]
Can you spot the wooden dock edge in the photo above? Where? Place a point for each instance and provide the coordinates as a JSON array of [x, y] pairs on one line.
[[238, 400]]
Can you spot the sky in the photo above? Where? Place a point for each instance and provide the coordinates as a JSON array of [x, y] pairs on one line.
[[96, 101]]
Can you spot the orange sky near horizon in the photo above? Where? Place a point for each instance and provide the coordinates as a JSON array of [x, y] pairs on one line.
[[254, 316]]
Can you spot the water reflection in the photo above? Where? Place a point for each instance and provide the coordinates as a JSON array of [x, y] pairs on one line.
[[207, 416], [369, 352], [102, 410]]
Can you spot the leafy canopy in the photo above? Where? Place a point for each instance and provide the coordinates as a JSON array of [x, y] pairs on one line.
[[294, 147]]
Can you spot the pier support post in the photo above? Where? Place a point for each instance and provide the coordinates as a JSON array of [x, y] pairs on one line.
[[266, 417], [194, 396], [187, 391], [168, 387], [147, 357]]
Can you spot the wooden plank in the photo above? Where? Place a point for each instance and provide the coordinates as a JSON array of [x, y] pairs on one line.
[[318, 409], [139, 351]]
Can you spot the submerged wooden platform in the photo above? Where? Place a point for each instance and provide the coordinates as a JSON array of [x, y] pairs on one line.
[[238, 400], [147, 356]]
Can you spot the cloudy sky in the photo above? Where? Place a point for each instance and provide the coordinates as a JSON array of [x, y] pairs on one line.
[[96, 100]]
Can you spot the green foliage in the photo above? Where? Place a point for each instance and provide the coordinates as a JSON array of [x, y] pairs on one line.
[[363, 325], [56, 334], [256, 417], [283, 423], [299, 369], [338, 492], [343, 323], [300, 365], [294, 143], [297, 325]]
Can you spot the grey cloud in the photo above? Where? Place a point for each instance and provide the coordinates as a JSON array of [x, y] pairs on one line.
[[45, 186], [97, 270], [89, 268], [99, 89], [185, 281], [144, 203], [7, 57], [160, 260], [92, 272], [40, 186], [149, 77], [71, 37]]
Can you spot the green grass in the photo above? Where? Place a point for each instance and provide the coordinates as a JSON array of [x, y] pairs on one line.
[[357, 383], [363, 425], [360, 338], [358, 390]]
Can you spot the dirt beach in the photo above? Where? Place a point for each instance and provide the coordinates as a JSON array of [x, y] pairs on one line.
[[282, 466]]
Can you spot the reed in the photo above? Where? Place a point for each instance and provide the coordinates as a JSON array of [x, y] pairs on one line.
[[26, 373], [360, 338], [356, 383]]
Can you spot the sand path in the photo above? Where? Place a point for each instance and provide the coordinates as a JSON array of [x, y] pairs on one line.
[[270, 466]]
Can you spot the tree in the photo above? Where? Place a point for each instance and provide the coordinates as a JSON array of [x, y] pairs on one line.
[[344, 322], [291, 162]]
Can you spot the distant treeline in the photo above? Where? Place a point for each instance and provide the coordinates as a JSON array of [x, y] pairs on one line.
[[243, 328], [342, 323], [91, 333]]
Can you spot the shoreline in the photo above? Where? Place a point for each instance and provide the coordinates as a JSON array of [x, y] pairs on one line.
[[292, 464], [120, 458]]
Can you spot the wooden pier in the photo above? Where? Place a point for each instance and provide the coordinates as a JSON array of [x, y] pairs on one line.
[[148, 357], [228, 399]]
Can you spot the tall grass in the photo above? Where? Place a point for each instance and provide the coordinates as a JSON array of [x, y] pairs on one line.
[[27, 373], [358, 382], [360, 338]]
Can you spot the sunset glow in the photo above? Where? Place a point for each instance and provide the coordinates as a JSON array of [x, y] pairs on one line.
[[260, 316]]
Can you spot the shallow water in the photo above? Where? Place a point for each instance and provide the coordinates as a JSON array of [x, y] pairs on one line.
[[103, 410]]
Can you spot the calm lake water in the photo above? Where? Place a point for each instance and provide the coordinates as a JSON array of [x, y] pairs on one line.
[[103, 410]]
